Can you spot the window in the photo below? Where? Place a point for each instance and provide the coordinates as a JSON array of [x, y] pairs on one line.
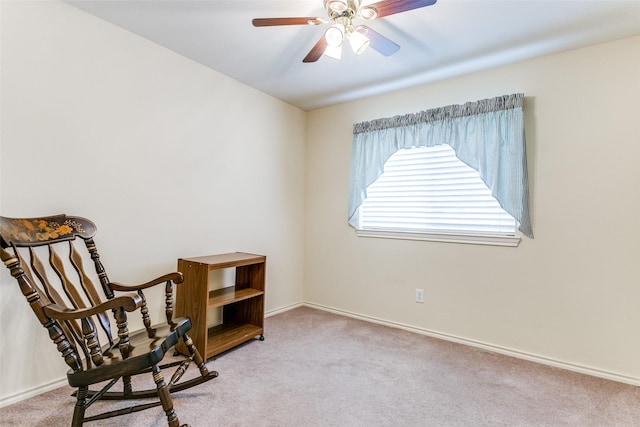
[[476, 149], [428, 190]]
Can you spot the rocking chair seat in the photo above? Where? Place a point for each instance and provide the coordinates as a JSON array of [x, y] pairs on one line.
[[145, 352]]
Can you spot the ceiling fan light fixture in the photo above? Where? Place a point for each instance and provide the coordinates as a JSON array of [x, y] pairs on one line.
[[368, 13], [334, 35], [334, 52], [338, 5], [359, 42]]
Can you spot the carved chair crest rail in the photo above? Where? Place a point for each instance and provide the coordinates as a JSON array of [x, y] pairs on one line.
[[82, 318]]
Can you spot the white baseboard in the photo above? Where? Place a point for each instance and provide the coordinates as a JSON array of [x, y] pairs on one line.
[[486, 346], [18, 397], [282, 309]]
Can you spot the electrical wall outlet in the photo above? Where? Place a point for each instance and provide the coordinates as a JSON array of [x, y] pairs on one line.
[[420, 295]]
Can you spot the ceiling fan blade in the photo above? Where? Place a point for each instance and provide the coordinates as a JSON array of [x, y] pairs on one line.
[[390, 7], [316, 51], [270, 22], [378, 41]]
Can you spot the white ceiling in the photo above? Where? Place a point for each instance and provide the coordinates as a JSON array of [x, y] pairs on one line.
[[450, 38]]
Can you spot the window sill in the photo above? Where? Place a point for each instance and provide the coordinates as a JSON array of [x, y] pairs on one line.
[[471, 239]]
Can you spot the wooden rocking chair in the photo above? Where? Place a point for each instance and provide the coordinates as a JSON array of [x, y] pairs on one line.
[[70, 314]]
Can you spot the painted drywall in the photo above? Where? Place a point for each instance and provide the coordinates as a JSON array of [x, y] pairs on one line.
[[169, 158], [572, 294]]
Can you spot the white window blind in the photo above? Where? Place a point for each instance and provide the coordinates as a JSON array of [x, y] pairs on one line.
[[428, 189]]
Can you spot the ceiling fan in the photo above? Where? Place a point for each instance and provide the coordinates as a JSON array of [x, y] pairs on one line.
[[342, 14]]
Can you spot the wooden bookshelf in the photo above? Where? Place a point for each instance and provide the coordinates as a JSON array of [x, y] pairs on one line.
[[242, 304]]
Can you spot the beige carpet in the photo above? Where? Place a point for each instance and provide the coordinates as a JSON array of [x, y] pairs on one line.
[[320, 369]]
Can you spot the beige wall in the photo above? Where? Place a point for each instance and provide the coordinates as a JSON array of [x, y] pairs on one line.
[[571, 296], [170, 158]]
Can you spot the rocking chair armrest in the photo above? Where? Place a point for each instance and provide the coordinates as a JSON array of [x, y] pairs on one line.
[[175, 277], [129, 302]]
